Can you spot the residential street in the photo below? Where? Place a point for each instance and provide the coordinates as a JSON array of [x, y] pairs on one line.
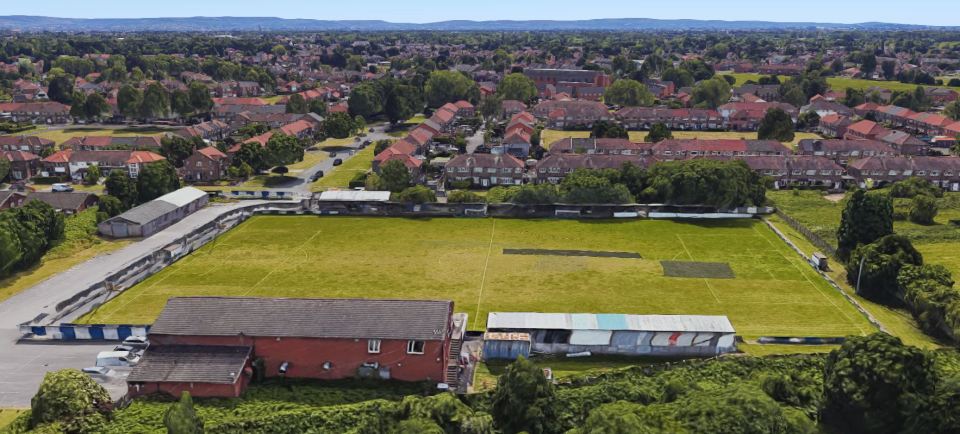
[[24, 364]]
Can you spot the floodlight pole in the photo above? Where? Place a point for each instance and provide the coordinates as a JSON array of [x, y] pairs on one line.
[[860, 273]]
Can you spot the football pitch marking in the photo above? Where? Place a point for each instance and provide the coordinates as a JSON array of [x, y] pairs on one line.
[[483, 276]]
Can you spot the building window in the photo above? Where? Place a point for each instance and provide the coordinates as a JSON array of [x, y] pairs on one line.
[[415, 347], [373, 346]]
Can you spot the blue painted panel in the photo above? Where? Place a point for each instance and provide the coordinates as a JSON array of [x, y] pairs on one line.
[[96, 332], [123, 332], [68, 333], [612, 321], [39, 330]]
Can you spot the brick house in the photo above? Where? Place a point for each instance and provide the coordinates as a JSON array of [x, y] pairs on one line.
[[325, 339], [798, 170], [212, 130], [511, 107], [746, 116], [864, 130], [843, 151], [572, 114], [23, 165], [100, 143], [31, 144], [205, 165], [485, 170], [11, 199], [834, 125], [47, 112], [597, 146], [683, 149], [643, 118], [74, 164], [880, 171], [554, 167], [542, 77], [67, 203]]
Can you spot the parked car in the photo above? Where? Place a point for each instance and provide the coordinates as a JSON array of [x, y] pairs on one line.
[[333, 154], [371, 130], [96, 370], [62, 188], [337, 162], [117, 358], [136, 342], [127, 348], [317, 176], [367, 142]]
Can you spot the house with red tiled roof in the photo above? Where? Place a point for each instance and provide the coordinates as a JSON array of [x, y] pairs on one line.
[[843, 151], [464, 108], [797, 171], [300, 129], [929, 124], [94, 143], [571, 145], [205, 165], [484, 170], [834, 125], [643, 118], [880, 171], [32, 144], [572, 113], [746, 116], [552, 168], [682, 149], [73, 164], [45, 112], [864, 130], [511, 107], [23, 165]]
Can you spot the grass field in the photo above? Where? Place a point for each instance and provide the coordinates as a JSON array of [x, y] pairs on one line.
[[80, 244], [774, 292], [939, 243], [341, 175], [62, 134], [7, 415], [550, 136], [837, 83]]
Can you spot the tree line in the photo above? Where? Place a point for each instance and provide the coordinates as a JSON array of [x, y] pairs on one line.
[[26, 233]]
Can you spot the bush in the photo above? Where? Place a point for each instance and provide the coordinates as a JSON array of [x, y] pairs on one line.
[[415, 194], [923, 209], [358, 180], [914, 186], [738, 409], [47, 180], [70, 397], [463, 196], [882, 261], [461, 185]]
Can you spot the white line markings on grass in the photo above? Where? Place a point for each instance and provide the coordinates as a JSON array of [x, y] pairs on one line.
[[483, 276], [274, 270], [705, 281]]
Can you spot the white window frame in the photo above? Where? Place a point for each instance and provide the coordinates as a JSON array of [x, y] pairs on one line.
[[373, 346], [412, 346]]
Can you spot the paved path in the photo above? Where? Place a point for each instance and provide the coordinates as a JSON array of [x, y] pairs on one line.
[[301, 184], [22, 365]]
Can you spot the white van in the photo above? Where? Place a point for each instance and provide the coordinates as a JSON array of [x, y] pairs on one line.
[[116, 358]]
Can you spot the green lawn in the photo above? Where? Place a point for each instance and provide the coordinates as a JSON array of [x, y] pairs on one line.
[[341, 175], [774, 293], [837, 83], [7, 415], [550, 136], [80, 244]]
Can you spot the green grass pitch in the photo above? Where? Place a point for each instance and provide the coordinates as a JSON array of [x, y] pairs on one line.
[[774, 292]]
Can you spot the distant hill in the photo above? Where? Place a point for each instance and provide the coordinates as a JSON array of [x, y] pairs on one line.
[[226, 24]]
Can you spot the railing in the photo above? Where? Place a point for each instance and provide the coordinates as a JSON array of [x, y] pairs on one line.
[[814, 239]]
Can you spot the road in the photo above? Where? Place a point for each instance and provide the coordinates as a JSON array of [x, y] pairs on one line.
[[301, 183], [23, 365]]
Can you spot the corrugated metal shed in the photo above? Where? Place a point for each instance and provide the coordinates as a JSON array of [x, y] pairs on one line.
[[568, 321], [147, 212], [183, 196], [355, 196]]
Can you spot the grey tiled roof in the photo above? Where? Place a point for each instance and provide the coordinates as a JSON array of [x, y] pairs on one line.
[[147, 212], [190, 363], [315, 318]]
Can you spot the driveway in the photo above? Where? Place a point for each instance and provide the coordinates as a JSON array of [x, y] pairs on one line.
[[23, 364]]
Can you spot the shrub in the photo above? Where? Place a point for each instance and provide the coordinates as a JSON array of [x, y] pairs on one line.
[[923, 209], [415, 194], [463, 196], [70, 397], [359, 180]]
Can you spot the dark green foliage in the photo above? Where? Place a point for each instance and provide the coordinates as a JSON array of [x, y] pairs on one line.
[[381, 145], [120, 186], [882, 261], [129, 100], [339, 125], [679, 77], [626, 92], [156, 102], [251, 154], [624, 417], [923, 209], [518, 87], [282, 150], [658, 132], [776, 125], [4, 168], [450, 86], [71, 398], [155, 180], [535, 194], [738, 410], [914, 186], [109, 205], [711, 93], [874, 384], [199, 95], [704, 182], [608, 130], [296, 104], [463, 196], [176, 148], [929, 292], [28, 232], [181, 418], [588, 186], [60, 89], [415, 194], [524, 400], [866, 218], [394, 176]]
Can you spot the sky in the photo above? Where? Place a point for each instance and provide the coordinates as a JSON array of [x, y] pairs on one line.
[[928, 12]]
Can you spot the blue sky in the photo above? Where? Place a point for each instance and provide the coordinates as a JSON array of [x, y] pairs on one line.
[[931, 12]]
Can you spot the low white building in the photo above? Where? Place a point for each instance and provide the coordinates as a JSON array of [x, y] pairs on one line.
[[151, 217]]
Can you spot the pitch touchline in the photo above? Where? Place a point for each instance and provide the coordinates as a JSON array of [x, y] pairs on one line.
[[483, 276]]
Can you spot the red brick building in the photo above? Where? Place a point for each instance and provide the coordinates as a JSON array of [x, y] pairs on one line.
[[210, 346]]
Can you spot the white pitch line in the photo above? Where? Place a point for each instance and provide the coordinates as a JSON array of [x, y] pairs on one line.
[[483, 276]]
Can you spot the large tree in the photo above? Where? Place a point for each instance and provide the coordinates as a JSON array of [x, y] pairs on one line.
[[156, 102], [129, 100], [60, 89], [181, 418], [95, 106], [296, 104], [518, 87], [882, 261], [450, 86], [339, 125], [702, 181], [608, 130], [155, 180], [365, 100], [626, 92], [711, 93], [282, 150], [865, 219], [875, 384], [121, 186], [524, 400], [252, 155], [176, 149], [776, 125], [589, 186], [394, 176], [658, 132], [200, 97]]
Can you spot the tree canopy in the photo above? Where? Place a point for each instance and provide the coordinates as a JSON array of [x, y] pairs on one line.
[[776, 125], [626, 92], [865, 219], [450, 86], [518, 87]]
